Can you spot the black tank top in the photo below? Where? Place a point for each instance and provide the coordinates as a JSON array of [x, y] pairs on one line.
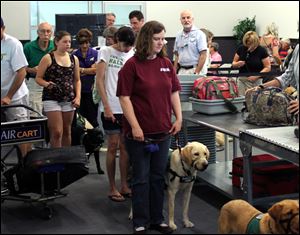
[[63, 77]]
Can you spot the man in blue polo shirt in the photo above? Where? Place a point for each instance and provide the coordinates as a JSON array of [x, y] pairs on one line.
[[190, 48], [34, 51]]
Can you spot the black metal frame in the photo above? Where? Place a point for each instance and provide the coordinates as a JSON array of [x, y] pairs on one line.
[[37, 127]]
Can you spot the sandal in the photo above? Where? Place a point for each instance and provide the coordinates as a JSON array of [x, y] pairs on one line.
[[117, 198], [127, 195]]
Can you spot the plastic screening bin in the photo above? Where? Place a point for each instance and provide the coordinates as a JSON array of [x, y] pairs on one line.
[[215, 106]]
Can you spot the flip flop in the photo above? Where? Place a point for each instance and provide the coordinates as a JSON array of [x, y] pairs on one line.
[[116, 198], [127, 195]]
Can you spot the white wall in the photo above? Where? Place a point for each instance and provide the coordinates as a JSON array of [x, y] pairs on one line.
[[219, 17], [16, 17]]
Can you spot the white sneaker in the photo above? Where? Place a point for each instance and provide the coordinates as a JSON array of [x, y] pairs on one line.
[[139, 230]]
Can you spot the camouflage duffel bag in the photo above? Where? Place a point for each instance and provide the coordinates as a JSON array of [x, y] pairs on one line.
[[268, 107]]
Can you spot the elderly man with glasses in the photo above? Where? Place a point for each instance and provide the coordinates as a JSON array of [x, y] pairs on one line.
[[190, 47], [34, 51]]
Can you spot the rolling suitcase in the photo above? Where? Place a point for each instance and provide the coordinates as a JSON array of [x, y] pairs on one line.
[[47, 168]]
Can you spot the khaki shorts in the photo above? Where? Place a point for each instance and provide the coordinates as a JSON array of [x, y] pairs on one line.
[[18, 113], [35, 96]]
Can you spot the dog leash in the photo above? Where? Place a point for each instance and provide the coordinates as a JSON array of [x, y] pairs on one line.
[[177, 142], [183, 179]]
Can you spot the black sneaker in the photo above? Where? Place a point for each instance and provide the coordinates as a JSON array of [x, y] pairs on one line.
[[139, 230], [162, 228], [296, 131]]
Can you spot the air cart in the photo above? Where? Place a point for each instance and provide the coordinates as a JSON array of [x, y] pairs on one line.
[[41, 175]]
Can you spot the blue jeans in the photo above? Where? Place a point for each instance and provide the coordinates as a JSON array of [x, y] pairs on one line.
[[148, 182]]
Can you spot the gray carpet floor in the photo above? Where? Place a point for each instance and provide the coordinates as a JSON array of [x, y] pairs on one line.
[[87, 209]]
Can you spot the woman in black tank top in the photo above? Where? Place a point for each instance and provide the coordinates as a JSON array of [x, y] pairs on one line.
[[58, 73]]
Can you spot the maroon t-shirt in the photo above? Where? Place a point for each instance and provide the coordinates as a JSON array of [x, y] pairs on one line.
[[149, 84]]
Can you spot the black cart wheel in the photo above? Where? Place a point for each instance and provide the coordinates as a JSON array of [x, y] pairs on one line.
[[46, 213]]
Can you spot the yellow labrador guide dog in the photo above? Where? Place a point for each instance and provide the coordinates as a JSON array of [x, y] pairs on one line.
[[239, 217], [184, 164]]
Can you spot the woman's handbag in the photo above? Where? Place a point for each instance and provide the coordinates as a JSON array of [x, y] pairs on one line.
[[268, 107]]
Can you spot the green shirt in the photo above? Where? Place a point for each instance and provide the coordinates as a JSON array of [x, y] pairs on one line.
[[34, 53]]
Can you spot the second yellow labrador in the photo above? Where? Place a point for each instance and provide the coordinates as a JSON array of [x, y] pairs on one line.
[[184, 165], [240, 217], [220, 139]]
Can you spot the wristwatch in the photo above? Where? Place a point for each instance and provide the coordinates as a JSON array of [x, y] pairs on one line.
[[261, 87]]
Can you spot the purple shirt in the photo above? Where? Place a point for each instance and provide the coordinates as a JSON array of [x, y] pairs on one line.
[[87, 81]]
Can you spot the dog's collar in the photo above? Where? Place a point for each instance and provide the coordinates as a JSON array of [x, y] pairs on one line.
[[253, 226]]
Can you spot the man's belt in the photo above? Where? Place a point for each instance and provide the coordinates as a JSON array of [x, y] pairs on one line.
[[187, 66]]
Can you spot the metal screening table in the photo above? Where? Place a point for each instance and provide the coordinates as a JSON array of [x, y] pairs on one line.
[[232, 124], [280, 141], [229, 124]]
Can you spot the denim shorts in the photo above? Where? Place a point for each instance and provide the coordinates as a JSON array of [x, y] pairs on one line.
[[51, 105]]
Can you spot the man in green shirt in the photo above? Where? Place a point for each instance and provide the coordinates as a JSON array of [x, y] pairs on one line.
[[34, 51]]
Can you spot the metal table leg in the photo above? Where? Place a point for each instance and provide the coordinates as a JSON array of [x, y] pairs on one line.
[[246, 149], [226, 140]]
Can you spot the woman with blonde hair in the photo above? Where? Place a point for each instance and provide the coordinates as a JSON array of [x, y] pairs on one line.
[[270, 41], [251, 58]]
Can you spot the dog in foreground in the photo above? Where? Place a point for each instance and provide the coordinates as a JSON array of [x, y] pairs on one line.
[[238, 216], [184, 165]]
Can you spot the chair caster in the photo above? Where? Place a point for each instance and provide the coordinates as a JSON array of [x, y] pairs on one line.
[[46, 213]]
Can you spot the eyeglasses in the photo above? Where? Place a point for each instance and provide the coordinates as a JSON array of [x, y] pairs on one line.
[[247, 55], [44, 31], [84, 42]]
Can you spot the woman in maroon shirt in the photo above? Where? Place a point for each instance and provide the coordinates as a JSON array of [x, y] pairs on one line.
[[148, 89]]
